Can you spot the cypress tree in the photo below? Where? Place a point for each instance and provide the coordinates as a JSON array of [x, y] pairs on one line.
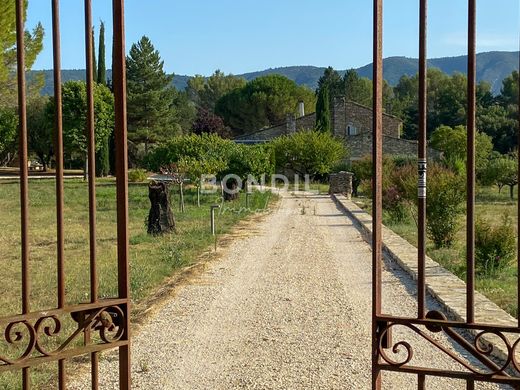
[[103, 154], [94, 63], [323, 110], [102, 69]]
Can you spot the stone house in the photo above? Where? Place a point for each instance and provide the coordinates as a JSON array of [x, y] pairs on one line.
[[351, 122]]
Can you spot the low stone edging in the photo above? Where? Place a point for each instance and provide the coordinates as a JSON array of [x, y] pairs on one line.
[[445, 287]]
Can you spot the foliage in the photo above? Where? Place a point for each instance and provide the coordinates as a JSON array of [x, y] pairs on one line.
[[8, 131], [208, 122], [74, 98], [137, 175], [265, 101], [254, 161], [103, 154], [495, 245], [357, 89], [209, 154], [40, 130], [308, 152], [150, 96], [453, 142], [362, 170], [33, 46], [501, 171], [323, 118], [205, 92], [101, 76], [444, 201]]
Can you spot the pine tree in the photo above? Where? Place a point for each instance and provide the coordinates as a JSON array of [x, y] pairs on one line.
[[150, 96], [323, 110], [103, 154]]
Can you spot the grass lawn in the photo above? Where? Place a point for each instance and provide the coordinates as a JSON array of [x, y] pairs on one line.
[[152, 259], [490, 206]]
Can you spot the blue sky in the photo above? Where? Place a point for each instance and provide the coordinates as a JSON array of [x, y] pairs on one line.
[[237, 36]]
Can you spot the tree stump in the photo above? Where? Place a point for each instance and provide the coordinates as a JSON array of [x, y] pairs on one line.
[[231, 190], [160, 218]]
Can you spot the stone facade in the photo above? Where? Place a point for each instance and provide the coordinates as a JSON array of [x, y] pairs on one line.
[[349, 118], [351, 122]]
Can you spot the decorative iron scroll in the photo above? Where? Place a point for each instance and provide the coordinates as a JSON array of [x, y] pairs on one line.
[[493, 366], [26, 338]]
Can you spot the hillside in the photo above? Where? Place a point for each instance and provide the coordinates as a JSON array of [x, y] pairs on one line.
[[492, 67]]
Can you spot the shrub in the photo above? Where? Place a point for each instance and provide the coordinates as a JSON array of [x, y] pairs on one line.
[[137, 175], [495, 245], [444, 200], [444, 205]]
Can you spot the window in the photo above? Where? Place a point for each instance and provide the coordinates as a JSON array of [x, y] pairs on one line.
[[351, 129]]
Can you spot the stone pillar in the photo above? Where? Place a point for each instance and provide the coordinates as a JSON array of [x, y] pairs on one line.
[[341, 183]]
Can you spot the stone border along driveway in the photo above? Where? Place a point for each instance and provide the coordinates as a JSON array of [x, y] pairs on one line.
[[445, 287]]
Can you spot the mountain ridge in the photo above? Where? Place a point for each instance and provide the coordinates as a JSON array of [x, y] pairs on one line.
[[492, 67]]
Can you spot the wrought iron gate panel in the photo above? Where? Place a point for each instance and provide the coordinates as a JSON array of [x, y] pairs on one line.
[[101, 323], [385, 351]]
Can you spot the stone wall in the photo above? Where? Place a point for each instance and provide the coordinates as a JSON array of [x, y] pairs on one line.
[[345, 113], [341, 183]]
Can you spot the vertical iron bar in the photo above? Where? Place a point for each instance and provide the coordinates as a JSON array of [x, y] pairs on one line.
[[119, 84], [421, 205], [421, 382], [58, 147], [24, 171], [518, 199], [91, 146], [377, 162], [91, 162], [470, 170], [470, 384]]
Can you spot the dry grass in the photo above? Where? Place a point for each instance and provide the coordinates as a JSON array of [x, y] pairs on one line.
[[152, 259]]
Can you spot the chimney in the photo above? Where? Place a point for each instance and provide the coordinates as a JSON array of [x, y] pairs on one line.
[[301, 109]]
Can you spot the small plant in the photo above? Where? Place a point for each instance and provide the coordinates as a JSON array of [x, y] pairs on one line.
[[137, 175], [495, 245]]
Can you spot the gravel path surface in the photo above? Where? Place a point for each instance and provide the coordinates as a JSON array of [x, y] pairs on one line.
[[287, 308]]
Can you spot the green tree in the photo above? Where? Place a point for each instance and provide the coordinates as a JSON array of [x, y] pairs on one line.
[[33, 46], [103, 154], [8, 133], [308, 152], [74, 98], [502, 171], [264, 101], [206, 92], [323, 110], [509, 91], [357, 89], [453, 142], [101, 69], [332, 80], [40, 130], [150, 96]]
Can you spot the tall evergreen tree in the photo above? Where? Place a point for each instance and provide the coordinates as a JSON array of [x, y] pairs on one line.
[[150, 96], [94, 62], [103, 154], [323, 110], [102, 69]]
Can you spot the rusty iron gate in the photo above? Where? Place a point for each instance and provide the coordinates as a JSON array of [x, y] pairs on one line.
[[468, 335], [100, 324]]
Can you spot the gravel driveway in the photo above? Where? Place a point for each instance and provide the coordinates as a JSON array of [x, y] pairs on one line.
[[288, 307]]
